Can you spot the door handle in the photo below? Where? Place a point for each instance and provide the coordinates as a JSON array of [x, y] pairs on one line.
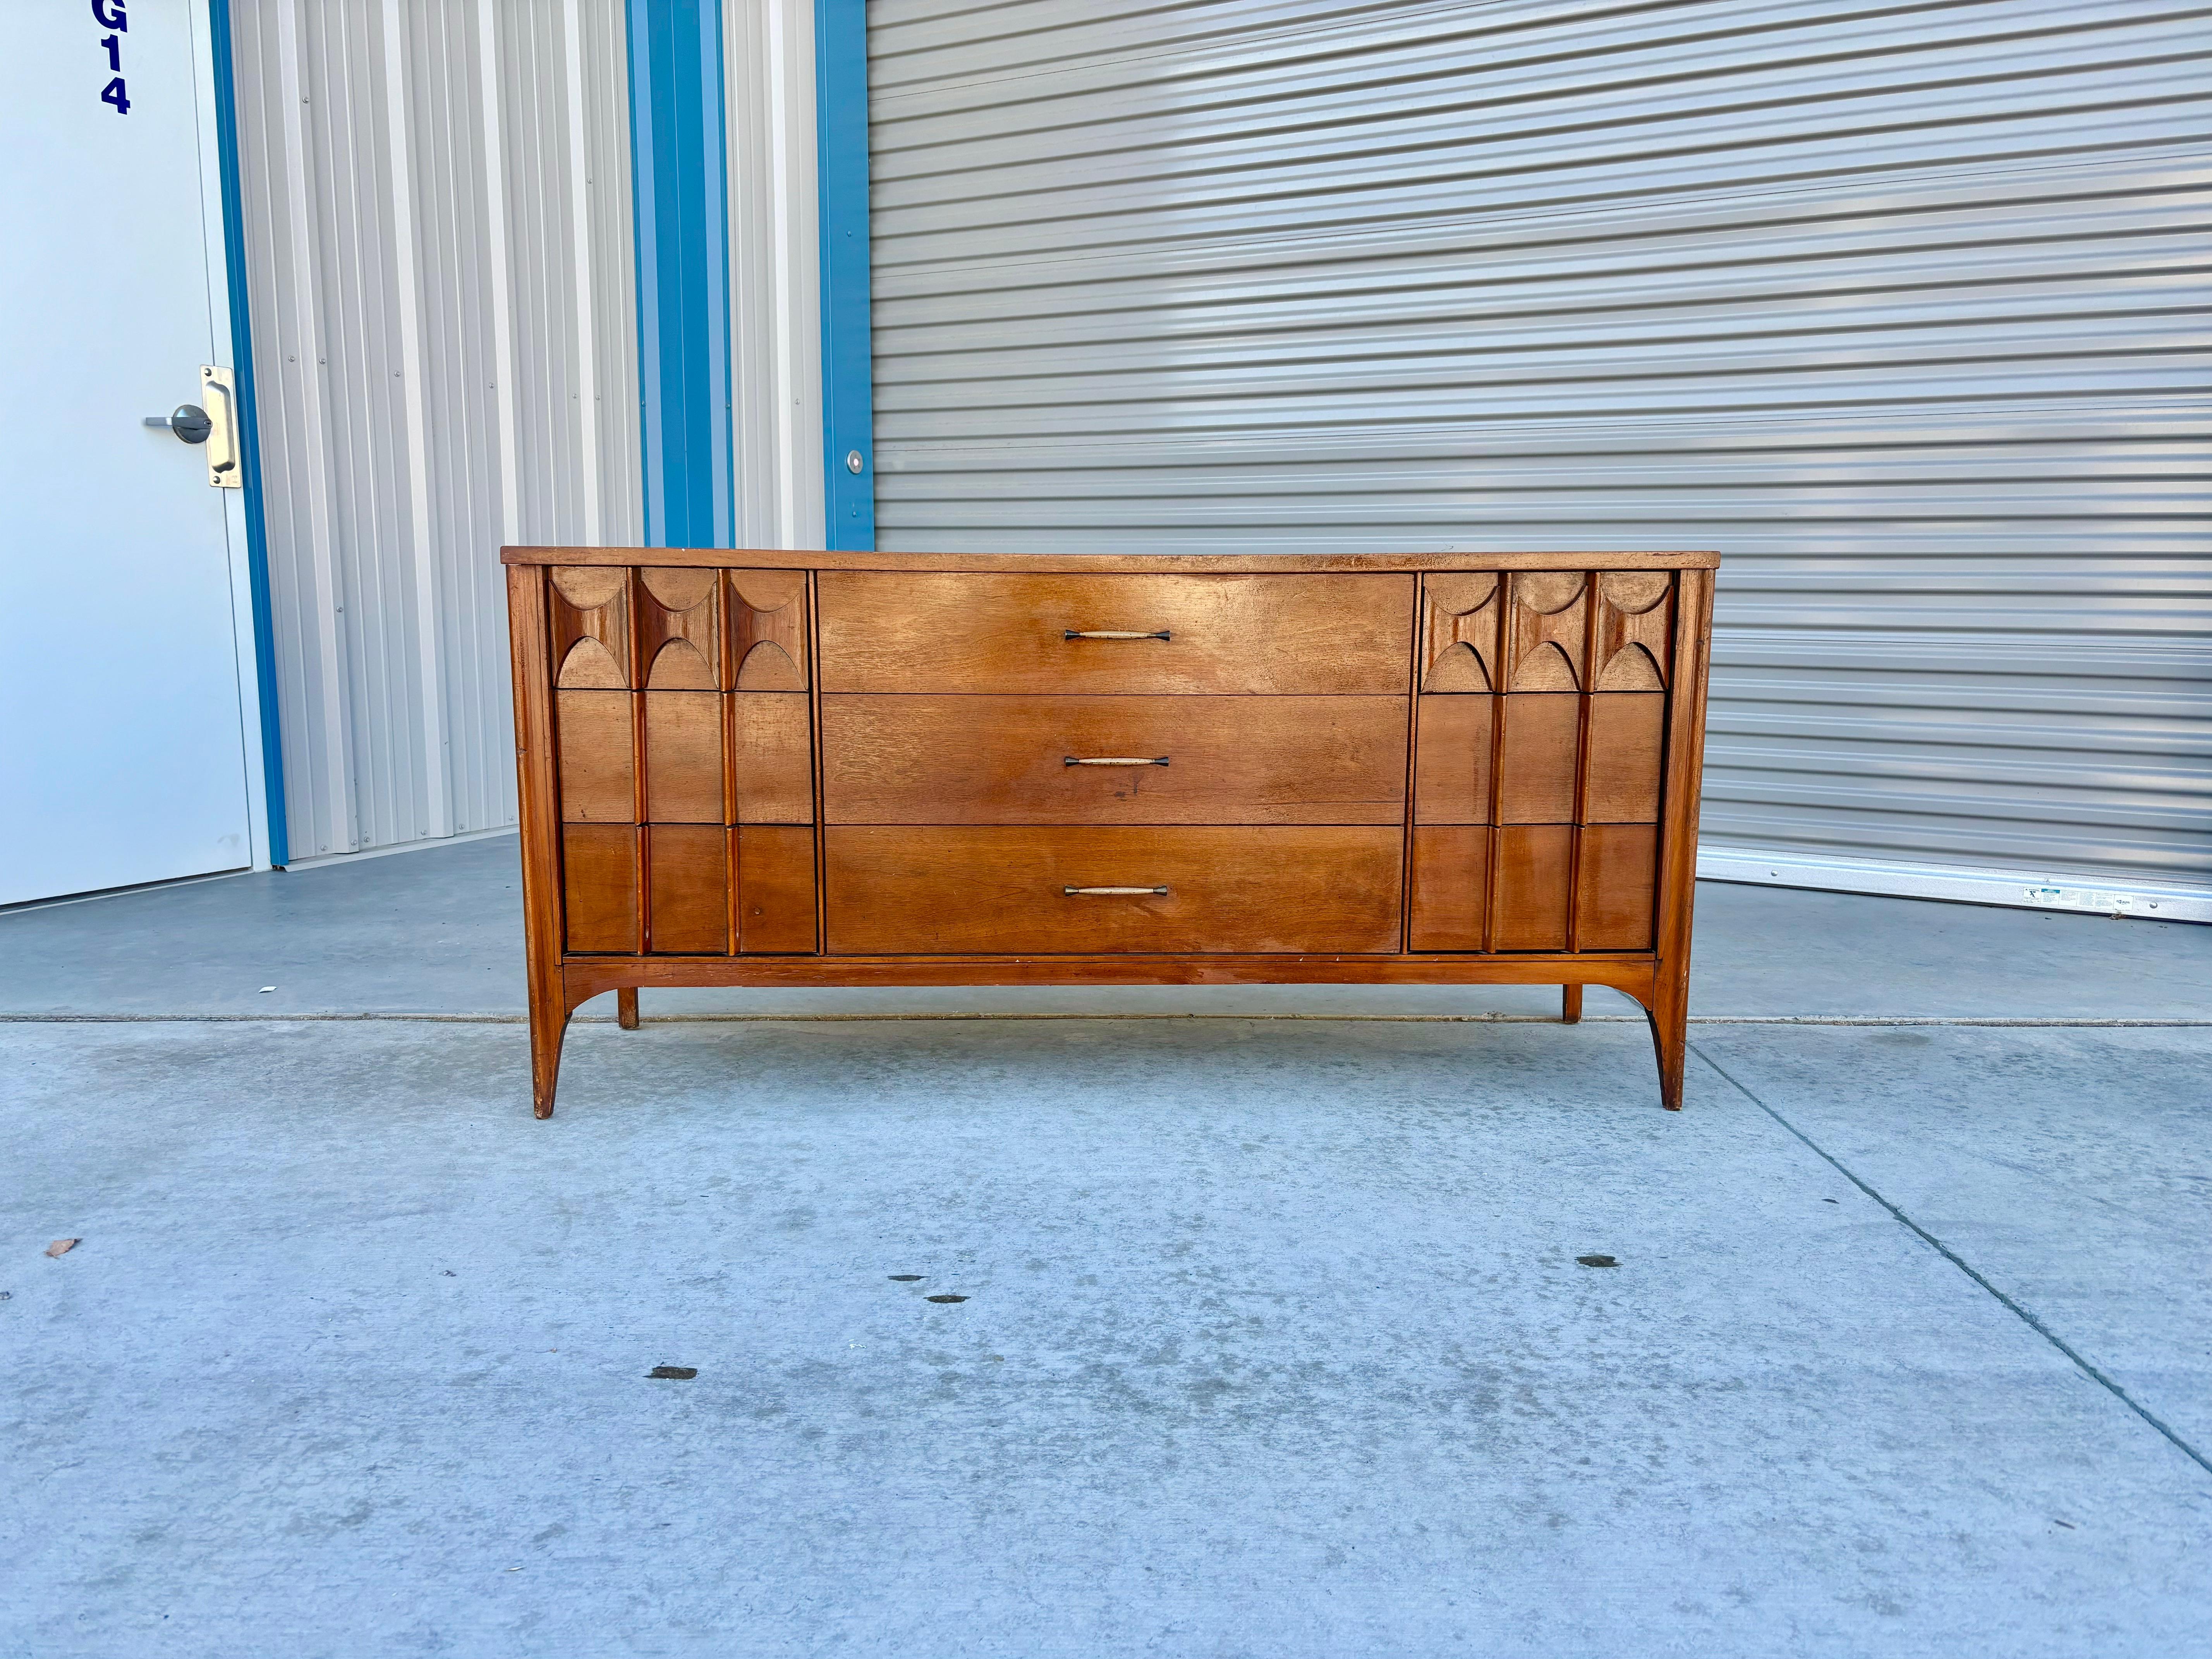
[[222, 451], [187, 423]]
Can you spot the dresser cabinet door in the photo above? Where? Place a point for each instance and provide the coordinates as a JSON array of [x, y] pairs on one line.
[[1540, 754], [684, 760]]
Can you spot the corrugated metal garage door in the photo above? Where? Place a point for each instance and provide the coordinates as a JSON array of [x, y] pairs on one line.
[[437, 228], [1900, 308]]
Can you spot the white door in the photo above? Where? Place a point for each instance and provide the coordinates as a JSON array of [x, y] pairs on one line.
[[122, 733]]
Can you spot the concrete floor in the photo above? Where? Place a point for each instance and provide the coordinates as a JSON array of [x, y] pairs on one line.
[[1275, 1341]]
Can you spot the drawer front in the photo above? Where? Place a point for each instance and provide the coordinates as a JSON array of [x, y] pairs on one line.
[[897, 890], [1291, 636], [1064, 760]]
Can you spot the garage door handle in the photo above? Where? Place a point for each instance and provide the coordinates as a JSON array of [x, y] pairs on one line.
[[222, 451]]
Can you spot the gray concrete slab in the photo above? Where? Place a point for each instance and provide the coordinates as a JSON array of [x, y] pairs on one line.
[[2072, 1168], [1276, 1345], [439, 931]]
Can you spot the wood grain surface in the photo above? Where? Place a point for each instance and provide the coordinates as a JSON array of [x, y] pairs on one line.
[[599, 887], [1452, 772], [949, 890], [1285, 636], [725, 558], [688, 869], [772, 746], [1005, 760], [1532, 886], [1536, 758], [1449, 904], [598, 740], [775, 908], [1627, 750], [683, 756], [1615, 873]]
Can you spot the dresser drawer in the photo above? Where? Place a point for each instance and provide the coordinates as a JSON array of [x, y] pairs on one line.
[[1319, 635], [972, 891], [1069, 760]]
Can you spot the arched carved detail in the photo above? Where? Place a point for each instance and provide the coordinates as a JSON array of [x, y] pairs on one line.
[[1547, 617], [1459, 631], [680, 630], [1635, 625], [768, 630], [590, 606]]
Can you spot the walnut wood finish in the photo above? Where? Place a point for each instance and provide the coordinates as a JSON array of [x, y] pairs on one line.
[[688, 865], [591, 628], [1382, 768], [1007, 760], [679, 627], [1284, 635], [598, 756], [768, 630], [1106, 564], [960, 890], [777, 907]]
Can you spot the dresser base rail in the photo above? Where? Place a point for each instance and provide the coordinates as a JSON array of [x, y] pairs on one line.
[[1647, 979]]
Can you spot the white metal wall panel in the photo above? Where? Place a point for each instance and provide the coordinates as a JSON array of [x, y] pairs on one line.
[[439, 256], [776, 329], [1900, 308]]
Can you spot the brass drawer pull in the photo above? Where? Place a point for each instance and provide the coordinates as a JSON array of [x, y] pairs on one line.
[[1110, 633], [1112, 760], [1109, 892]]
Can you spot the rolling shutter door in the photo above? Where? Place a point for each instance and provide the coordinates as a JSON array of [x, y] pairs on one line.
[[1899, 308]]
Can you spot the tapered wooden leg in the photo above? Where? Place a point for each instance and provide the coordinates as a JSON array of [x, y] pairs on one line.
[[549, 1023], [626, 1008], [1571, 1005], [1669, 1014]]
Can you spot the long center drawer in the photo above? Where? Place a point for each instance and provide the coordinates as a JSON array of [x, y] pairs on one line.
[[1171, 633], [895, 890], [1113, 760]]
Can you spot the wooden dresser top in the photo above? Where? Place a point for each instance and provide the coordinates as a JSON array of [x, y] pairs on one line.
[[1105, 564]]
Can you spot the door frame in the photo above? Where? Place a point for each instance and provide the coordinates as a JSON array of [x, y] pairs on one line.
[[253, 630]]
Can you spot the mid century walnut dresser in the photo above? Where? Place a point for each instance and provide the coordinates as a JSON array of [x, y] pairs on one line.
[[884, 768]]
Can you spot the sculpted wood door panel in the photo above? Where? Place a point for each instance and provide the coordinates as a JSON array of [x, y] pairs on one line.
[[1070, 892], [1451, 774], [1627, 748], [1133, 635], [600, 884], [598, 756], [1616, 887], [688, 866], [775, 889], [1542, 742], [683, 756], [1451, 888], [773, 746], [1535, 867], [1131, 760]]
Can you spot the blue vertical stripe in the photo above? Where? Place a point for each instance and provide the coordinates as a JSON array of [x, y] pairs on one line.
[[841, 114], [680, 174], [249, 432]]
